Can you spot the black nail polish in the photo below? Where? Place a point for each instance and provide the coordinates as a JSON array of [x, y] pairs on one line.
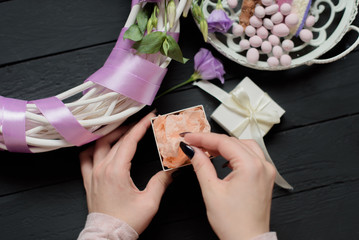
[[188, 150], [183, 134], [226, 164]]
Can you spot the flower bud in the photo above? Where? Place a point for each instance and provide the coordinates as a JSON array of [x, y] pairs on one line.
[[171, 12], [149, 26], [197, 12], [187, 8], [204, 29]]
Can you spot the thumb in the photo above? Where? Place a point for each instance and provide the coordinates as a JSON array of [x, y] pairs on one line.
[[158, 185], [205, 171]]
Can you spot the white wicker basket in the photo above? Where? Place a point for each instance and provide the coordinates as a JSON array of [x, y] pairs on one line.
[[333, 21]]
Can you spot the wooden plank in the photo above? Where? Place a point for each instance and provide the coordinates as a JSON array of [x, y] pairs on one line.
[[323, 213], [30, 29]]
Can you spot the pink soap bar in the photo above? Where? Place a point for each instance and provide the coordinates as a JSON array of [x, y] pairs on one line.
[[167, 129]]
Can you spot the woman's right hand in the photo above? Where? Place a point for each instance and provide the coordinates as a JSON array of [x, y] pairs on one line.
[[238, 207]]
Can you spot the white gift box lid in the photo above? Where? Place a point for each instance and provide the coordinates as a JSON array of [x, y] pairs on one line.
[[229, 119]]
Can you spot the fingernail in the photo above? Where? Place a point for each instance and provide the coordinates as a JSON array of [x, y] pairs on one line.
[[188, 150], [226, 164], [183, 134]]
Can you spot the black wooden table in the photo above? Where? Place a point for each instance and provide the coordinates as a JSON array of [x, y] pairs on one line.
[[47, 47]]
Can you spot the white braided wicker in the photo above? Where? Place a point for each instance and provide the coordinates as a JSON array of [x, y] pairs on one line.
[[99, 110]]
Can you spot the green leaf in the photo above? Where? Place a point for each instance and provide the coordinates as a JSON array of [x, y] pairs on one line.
[[174, 50], [150, 43], [133, 33], [142, 18]]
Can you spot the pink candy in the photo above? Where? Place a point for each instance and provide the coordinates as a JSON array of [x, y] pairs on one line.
[[250, 31], [268, 24], [306, 35], [292, 20], [262, 32], [274, 40], [287, 45], [277, 51], [277, 18], [266, 47], [270, 10], [280, 30], [259, 11], [285, 60], [310, 21], [267, 2], [273, 61], [255, 21], [244, 44], [237, 30], [232, 3], [255, 41], [252, 55], [285, 8]]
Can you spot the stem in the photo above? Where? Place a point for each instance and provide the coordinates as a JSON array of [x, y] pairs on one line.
[[166, 16], [219, 5], [193, 78]]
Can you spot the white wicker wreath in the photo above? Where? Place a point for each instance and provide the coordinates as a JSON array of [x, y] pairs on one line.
[[98, 110]]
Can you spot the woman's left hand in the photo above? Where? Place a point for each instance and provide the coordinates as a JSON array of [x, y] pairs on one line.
[[109, 186]]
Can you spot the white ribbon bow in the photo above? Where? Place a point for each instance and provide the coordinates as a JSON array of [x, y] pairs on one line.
[[255, 117]]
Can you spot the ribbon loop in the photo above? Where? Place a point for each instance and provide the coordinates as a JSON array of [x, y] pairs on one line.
[[14, 124], [61, 118]]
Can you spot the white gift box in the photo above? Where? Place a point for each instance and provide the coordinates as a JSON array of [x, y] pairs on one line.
[[229, 119]]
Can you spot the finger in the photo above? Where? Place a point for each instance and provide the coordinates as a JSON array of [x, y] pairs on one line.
[[103, 145], [86, 166], [128, 143], [158, 185], [254, 147], [205, 171], [228, 147]]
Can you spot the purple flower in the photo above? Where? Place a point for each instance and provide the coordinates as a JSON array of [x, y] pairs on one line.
[[207, 66], [218, 21]]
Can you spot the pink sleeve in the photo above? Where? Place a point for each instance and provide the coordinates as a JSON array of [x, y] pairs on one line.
[[102, 226], [266, 236]]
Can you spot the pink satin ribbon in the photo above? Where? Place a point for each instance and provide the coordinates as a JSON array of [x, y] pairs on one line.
[[14, 124], [134, 2], [129, 74], [61, 118]]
